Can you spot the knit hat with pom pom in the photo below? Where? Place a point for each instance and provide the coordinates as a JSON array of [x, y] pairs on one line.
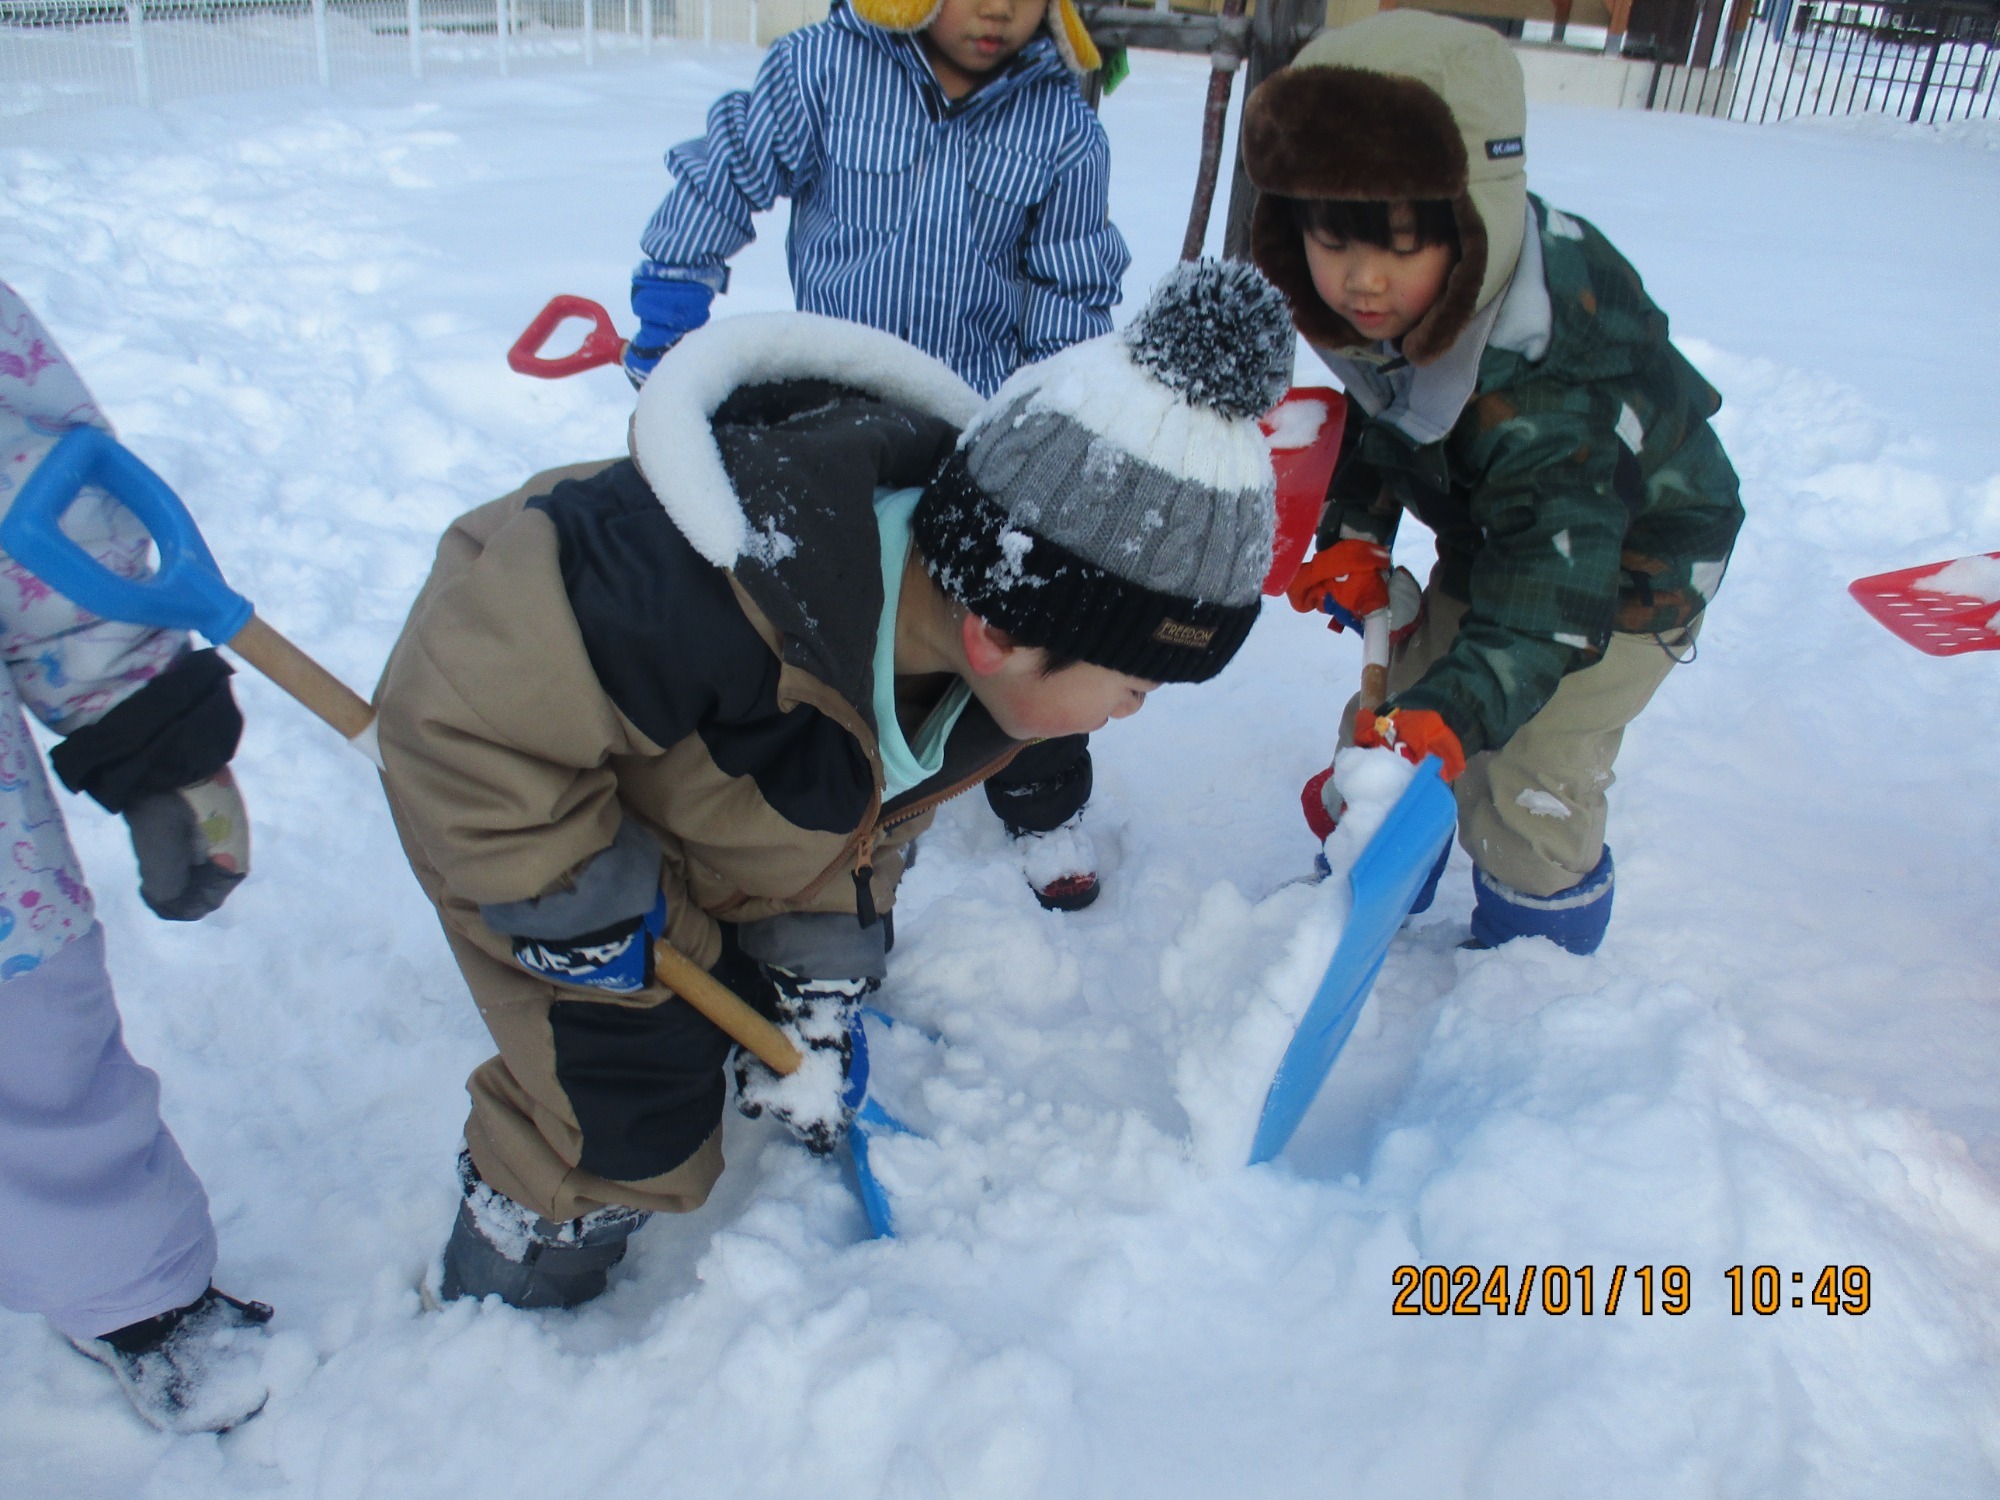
[[1114, 503]]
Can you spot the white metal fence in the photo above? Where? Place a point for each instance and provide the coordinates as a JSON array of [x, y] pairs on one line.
[[78, 54]]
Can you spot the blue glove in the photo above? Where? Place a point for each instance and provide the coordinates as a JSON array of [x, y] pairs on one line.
[[669, 307], [618, 958]]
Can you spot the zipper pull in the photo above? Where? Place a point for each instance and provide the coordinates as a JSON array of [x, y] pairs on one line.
[[864, 888]]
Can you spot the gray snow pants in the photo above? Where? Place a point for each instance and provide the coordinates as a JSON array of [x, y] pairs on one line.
[[104, 1221]]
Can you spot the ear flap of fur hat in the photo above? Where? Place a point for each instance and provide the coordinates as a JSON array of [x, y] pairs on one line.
[[1402, 105], [1079, 53], [898, 15]]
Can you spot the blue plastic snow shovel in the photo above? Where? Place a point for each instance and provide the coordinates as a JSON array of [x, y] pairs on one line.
[[870, 1120], [187, 592], [1385, 881]]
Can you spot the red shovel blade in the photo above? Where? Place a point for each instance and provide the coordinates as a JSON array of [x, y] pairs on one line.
[[601, 346], [1938, 620], [1304, 432]]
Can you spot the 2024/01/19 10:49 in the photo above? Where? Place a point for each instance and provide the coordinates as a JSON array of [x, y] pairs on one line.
[[1463, 1291]]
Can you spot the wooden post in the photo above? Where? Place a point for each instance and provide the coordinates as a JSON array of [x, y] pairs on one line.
[[1621, 17], [1277, 32], [1705, 34], [1224, 61], [1562, 9]]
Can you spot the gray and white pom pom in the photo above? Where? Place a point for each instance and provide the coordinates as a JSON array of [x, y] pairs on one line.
[[1220, 334]]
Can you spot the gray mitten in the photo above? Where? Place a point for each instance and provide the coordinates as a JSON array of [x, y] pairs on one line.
[[193, 846], [819, 1017]]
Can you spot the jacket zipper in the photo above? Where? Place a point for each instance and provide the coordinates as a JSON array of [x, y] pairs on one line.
[[864, 856]]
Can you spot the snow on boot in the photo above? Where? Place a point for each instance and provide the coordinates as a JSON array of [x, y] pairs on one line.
[[502, 1249], [819, 1017], [1574, 918], [198, 1368], [1061, 865]]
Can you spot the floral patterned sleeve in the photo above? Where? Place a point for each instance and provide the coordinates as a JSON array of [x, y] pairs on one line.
[[68, 667]]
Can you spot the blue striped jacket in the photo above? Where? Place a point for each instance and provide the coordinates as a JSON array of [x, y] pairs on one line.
[[979, 230]]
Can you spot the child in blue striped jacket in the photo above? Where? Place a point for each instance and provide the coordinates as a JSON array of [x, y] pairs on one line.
[[949, 185]]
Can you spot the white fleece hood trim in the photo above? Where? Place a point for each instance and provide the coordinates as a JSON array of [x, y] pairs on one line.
[[674, 445]]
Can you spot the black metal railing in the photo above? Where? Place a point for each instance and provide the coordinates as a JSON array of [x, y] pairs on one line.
[[1926, 63]]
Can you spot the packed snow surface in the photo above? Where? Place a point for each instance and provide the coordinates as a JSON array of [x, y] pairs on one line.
[[295, 307]]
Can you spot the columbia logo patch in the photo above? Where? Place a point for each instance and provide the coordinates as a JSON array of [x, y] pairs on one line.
[[1506, 146], [1174, 633]]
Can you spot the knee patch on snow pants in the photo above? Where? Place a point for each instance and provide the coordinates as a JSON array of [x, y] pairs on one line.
[[1532, 813], [595, 1100]]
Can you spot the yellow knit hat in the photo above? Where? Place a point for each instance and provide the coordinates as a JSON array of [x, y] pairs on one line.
[[1078, 51]]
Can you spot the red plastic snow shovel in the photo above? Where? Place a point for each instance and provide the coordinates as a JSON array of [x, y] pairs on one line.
[[1304, 432], [1942, 609], [601, 346]]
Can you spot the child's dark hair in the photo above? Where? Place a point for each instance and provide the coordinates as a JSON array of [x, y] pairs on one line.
[[1349, 219]]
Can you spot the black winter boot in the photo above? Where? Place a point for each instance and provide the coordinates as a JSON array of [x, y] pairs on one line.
[[198, 1368], [499, 1248]]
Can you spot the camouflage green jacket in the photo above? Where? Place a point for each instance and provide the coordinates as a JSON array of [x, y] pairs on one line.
[[1577, 494]]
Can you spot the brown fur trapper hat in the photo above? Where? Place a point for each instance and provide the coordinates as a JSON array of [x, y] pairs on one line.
[[1404, 104]]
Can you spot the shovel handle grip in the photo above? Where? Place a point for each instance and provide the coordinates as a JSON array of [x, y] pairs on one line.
[[601, 346], [721, 1005], [1374, 660], [186, 592]]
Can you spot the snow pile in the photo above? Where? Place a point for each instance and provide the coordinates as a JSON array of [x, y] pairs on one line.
[[1241, 974], [1295, 424]]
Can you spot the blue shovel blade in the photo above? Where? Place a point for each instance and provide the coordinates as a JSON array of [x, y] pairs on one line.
[[1385, 881], [871, 1120]]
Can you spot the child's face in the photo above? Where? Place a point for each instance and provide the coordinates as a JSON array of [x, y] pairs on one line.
[[1030, 704], [974, 37], [1383, 292]]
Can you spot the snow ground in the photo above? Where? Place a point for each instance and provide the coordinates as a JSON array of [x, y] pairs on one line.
[[295, 308]]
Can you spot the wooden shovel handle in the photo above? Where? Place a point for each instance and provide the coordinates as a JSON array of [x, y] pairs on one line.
[[720, 1004], [305, 679], [1374, 660]]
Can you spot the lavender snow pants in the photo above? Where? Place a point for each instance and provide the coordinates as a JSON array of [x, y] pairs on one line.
[[104, 1221]]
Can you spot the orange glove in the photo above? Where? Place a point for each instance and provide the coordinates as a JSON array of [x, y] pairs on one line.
[[1412, 733], [1349, 580]]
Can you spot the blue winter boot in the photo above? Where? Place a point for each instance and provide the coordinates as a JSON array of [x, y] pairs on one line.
[[1575, 918]]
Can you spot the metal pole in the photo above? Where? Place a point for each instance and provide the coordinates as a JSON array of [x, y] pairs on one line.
[[646, 26], [753, 22], [590, 33], [707, 22], [135, 19], [319, 44], [500, 30], [415, 12]]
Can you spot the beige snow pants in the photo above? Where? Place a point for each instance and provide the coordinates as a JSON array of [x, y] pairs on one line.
[[1531, 814], [523, 1131]]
